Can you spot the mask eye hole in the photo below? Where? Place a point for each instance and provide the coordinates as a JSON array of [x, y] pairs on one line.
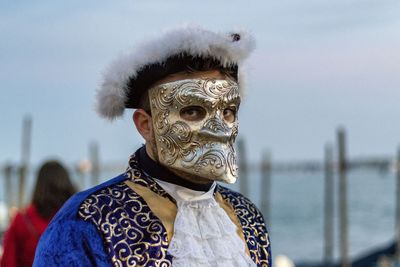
[[193, 113], [229, 114]]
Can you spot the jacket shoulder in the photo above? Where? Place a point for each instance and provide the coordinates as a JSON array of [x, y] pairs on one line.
[[240, 201], [71, 241], [70, 208]]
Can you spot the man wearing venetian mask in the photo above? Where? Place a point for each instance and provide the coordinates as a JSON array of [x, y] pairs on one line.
[[167, 208]]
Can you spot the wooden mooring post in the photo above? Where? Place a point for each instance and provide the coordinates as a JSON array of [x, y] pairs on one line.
[[243, 169], [8, 196], [343, 220], [397, 227], [328, 206], [25, 155], [266, 186], [95, 163]]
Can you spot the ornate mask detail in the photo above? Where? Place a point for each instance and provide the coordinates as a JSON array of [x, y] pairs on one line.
[[191, 128]]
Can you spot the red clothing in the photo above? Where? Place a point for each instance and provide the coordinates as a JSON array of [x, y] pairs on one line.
[[21, 238]]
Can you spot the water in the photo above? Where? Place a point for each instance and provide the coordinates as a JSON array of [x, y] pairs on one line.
[[296, 221]]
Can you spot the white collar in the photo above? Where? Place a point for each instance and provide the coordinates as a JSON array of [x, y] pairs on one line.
[[183, 194], [204, 235]]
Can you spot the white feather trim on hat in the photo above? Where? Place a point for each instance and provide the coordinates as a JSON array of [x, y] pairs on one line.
[[194, 41]]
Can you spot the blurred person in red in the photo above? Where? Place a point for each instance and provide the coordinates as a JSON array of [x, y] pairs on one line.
[[53, 187]]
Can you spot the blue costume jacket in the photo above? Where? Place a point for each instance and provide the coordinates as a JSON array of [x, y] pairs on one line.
[[112, 225]]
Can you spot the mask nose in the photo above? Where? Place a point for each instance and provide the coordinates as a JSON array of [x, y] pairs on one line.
[[216, 129]]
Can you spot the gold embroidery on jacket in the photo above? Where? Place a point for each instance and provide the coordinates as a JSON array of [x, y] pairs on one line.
[[163, 208], [133, 236]]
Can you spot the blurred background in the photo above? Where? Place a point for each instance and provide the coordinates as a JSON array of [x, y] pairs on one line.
[[321, 111]]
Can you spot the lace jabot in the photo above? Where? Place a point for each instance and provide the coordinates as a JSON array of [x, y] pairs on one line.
[[204, 235]]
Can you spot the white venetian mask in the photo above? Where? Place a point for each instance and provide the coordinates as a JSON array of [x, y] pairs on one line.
[[195, 126]]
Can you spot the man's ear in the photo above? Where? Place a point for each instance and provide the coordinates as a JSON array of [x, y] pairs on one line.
[[144, 124]]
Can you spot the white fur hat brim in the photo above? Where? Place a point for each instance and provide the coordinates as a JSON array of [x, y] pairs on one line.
[[193, 41]]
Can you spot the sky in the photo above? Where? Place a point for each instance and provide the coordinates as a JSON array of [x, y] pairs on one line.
[[318, 65]]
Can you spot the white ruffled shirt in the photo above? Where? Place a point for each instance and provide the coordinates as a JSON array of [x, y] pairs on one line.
[[204, 235]]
